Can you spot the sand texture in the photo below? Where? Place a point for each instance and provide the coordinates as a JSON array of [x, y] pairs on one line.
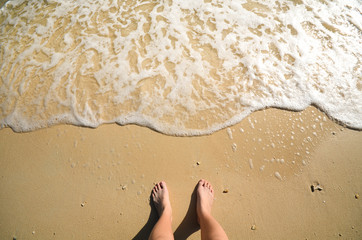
[[68, 182]]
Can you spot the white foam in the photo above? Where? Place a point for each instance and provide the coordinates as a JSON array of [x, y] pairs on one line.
[[199, 67]]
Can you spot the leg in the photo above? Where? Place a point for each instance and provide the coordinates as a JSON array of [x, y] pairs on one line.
[[210, 228], [162, 229]]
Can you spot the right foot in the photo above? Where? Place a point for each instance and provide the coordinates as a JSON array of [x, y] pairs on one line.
[[161, 198], [205, 198]]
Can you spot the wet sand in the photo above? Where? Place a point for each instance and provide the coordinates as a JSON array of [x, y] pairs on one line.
[[68, 182]]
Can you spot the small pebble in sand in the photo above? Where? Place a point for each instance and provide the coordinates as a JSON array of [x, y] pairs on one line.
[[356, 196], [225, 191], [198, 163], [33, 232], [316, 187], [253, 227], [124, 187], [82, 204]]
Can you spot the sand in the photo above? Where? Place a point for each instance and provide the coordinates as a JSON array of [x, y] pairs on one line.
[[67, 182]]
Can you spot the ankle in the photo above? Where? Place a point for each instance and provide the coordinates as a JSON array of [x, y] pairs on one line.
[[167, 210], [204, 216]]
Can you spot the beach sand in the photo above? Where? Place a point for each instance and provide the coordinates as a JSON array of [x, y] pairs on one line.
[[67, 182]]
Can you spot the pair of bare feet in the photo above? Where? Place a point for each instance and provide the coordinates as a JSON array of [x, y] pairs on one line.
[[210, 228], [205, 198]]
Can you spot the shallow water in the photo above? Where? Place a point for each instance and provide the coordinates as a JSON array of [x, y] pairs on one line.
[[180, 67]]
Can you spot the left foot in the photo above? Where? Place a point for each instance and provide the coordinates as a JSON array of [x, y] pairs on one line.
[[161, 198]]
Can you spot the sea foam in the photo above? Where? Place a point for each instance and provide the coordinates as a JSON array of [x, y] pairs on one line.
[[181, 67]]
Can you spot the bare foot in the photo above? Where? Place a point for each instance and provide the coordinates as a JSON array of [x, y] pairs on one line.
[[161, 198], [205, 198]]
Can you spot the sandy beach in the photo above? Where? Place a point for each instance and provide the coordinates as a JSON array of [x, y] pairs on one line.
[[68, 182], [199, 69]]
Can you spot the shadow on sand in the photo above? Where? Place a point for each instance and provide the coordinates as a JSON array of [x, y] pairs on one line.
[[186, 228]]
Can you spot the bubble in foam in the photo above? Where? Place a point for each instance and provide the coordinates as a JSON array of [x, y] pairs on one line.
[[234, 146], [230, 133], [278, 176], [251, 165]]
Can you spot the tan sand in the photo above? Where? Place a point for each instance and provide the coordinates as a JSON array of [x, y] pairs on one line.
[[69, 182]]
